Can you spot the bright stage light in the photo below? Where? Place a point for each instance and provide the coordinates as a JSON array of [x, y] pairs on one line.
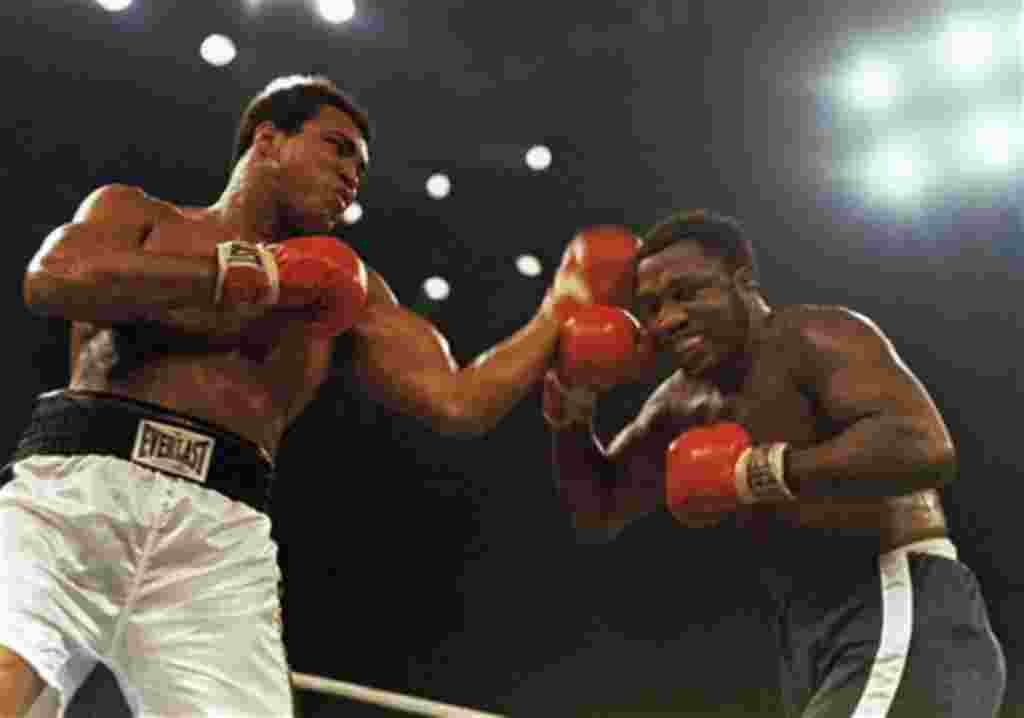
[[993, 140], [538, 158], [872, 83], [114, 5], [217, 50], [436, 288], [438, 186], [336, 11], [968, 46], [352, 214], [896, 171], [528, 265]]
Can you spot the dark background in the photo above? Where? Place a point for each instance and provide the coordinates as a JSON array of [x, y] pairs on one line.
[[444, 567]]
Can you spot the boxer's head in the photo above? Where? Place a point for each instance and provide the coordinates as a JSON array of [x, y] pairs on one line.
[[697, 288], [315, 139]]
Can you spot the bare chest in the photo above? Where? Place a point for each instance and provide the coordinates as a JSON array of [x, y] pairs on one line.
[[255, 384]]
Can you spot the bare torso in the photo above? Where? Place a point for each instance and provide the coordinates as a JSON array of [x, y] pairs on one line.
[[773, 408], [254, 387]]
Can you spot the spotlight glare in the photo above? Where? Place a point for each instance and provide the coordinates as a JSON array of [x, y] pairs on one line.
[[969, 47], [336, 11], [438, 186], [895, 171], [436, 288], [114, 5], [217, 50], [538, 158], [352, 214], [872, 83], [993, 141], [528, 265]]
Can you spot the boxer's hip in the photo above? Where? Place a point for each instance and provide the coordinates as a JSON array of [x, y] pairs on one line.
[[76, 423]]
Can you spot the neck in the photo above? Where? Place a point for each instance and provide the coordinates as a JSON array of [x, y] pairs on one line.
[[729, 377], [249, 206]]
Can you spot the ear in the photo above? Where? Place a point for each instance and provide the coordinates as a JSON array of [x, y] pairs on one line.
[[266, 140]]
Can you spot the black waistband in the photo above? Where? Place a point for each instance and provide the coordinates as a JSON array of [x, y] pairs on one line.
[[76, 422]]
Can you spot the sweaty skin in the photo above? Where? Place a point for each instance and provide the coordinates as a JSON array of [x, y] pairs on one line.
[[868, 447], [136, 276]]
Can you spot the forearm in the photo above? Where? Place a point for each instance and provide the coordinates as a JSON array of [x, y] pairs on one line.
[[875, 457], [487, 389], [132, 286], [584, 481]]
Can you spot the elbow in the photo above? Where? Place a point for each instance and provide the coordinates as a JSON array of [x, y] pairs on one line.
[[41, 293], [47, 279]]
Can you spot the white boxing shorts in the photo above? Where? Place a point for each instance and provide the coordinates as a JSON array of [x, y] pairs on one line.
[[171, 584]]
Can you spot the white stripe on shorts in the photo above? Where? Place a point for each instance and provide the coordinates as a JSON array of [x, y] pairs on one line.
[[897, 624]]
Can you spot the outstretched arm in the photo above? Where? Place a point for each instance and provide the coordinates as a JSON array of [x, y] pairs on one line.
[[405, 363]]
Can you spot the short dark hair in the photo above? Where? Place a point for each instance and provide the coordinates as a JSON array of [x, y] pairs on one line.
[[717, 234], [291, 100]]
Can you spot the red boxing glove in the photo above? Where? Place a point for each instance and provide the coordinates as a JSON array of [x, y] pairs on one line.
[[712, 469], [319, 272], [598, 267], [602, 346], [343, 291]]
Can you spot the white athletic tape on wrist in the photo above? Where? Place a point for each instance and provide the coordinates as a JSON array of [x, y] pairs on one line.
[[761, 475], [578, 405], [255, 255]]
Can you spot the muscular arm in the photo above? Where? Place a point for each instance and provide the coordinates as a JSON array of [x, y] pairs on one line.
[[96, 269], [405, 363], [891, 439], [605, 489]]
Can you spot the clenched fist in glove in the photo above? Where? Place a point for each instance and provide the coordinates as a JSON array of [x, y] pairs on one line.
[[598, 267], [320, 273], [712, 469], [602, 346]]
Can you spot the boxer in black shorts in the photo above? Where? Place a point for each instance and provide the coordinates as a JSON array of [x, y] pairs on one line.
[[801, 425]]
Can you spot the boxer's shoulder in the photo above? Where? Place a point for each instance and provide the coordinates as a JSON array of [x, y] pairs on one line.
[[820, 325], [378, 291], [120, 202]]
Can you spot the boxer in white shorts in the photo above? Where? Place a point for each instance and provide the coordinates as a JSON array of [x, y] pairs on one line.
[[133, 524]]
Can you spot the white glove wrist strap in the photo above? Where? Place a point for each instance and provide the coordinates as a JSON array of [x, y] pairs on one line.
[[761, 475], [254, 256]]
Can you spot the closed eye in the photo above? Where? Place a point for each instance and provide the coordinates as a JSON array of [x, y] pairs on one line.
[[346, 149]]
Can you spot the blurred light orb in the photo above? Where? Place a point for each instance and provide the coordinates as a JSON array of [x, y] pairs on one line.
[[993, 142], [438, 186], [352, 214], [896, 171], [873, 83], [528, 265], [114, 5], [336, 11], [538, 158], [436, 288], [218, 50], [969, 46]]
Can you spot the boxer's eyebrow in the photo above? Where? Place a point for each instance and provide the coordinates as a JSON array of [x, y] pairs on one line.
[[697, 281]]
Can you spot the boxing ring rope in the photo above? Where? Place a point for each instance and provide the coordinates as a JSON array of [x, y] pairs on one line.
[[386, 699]]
